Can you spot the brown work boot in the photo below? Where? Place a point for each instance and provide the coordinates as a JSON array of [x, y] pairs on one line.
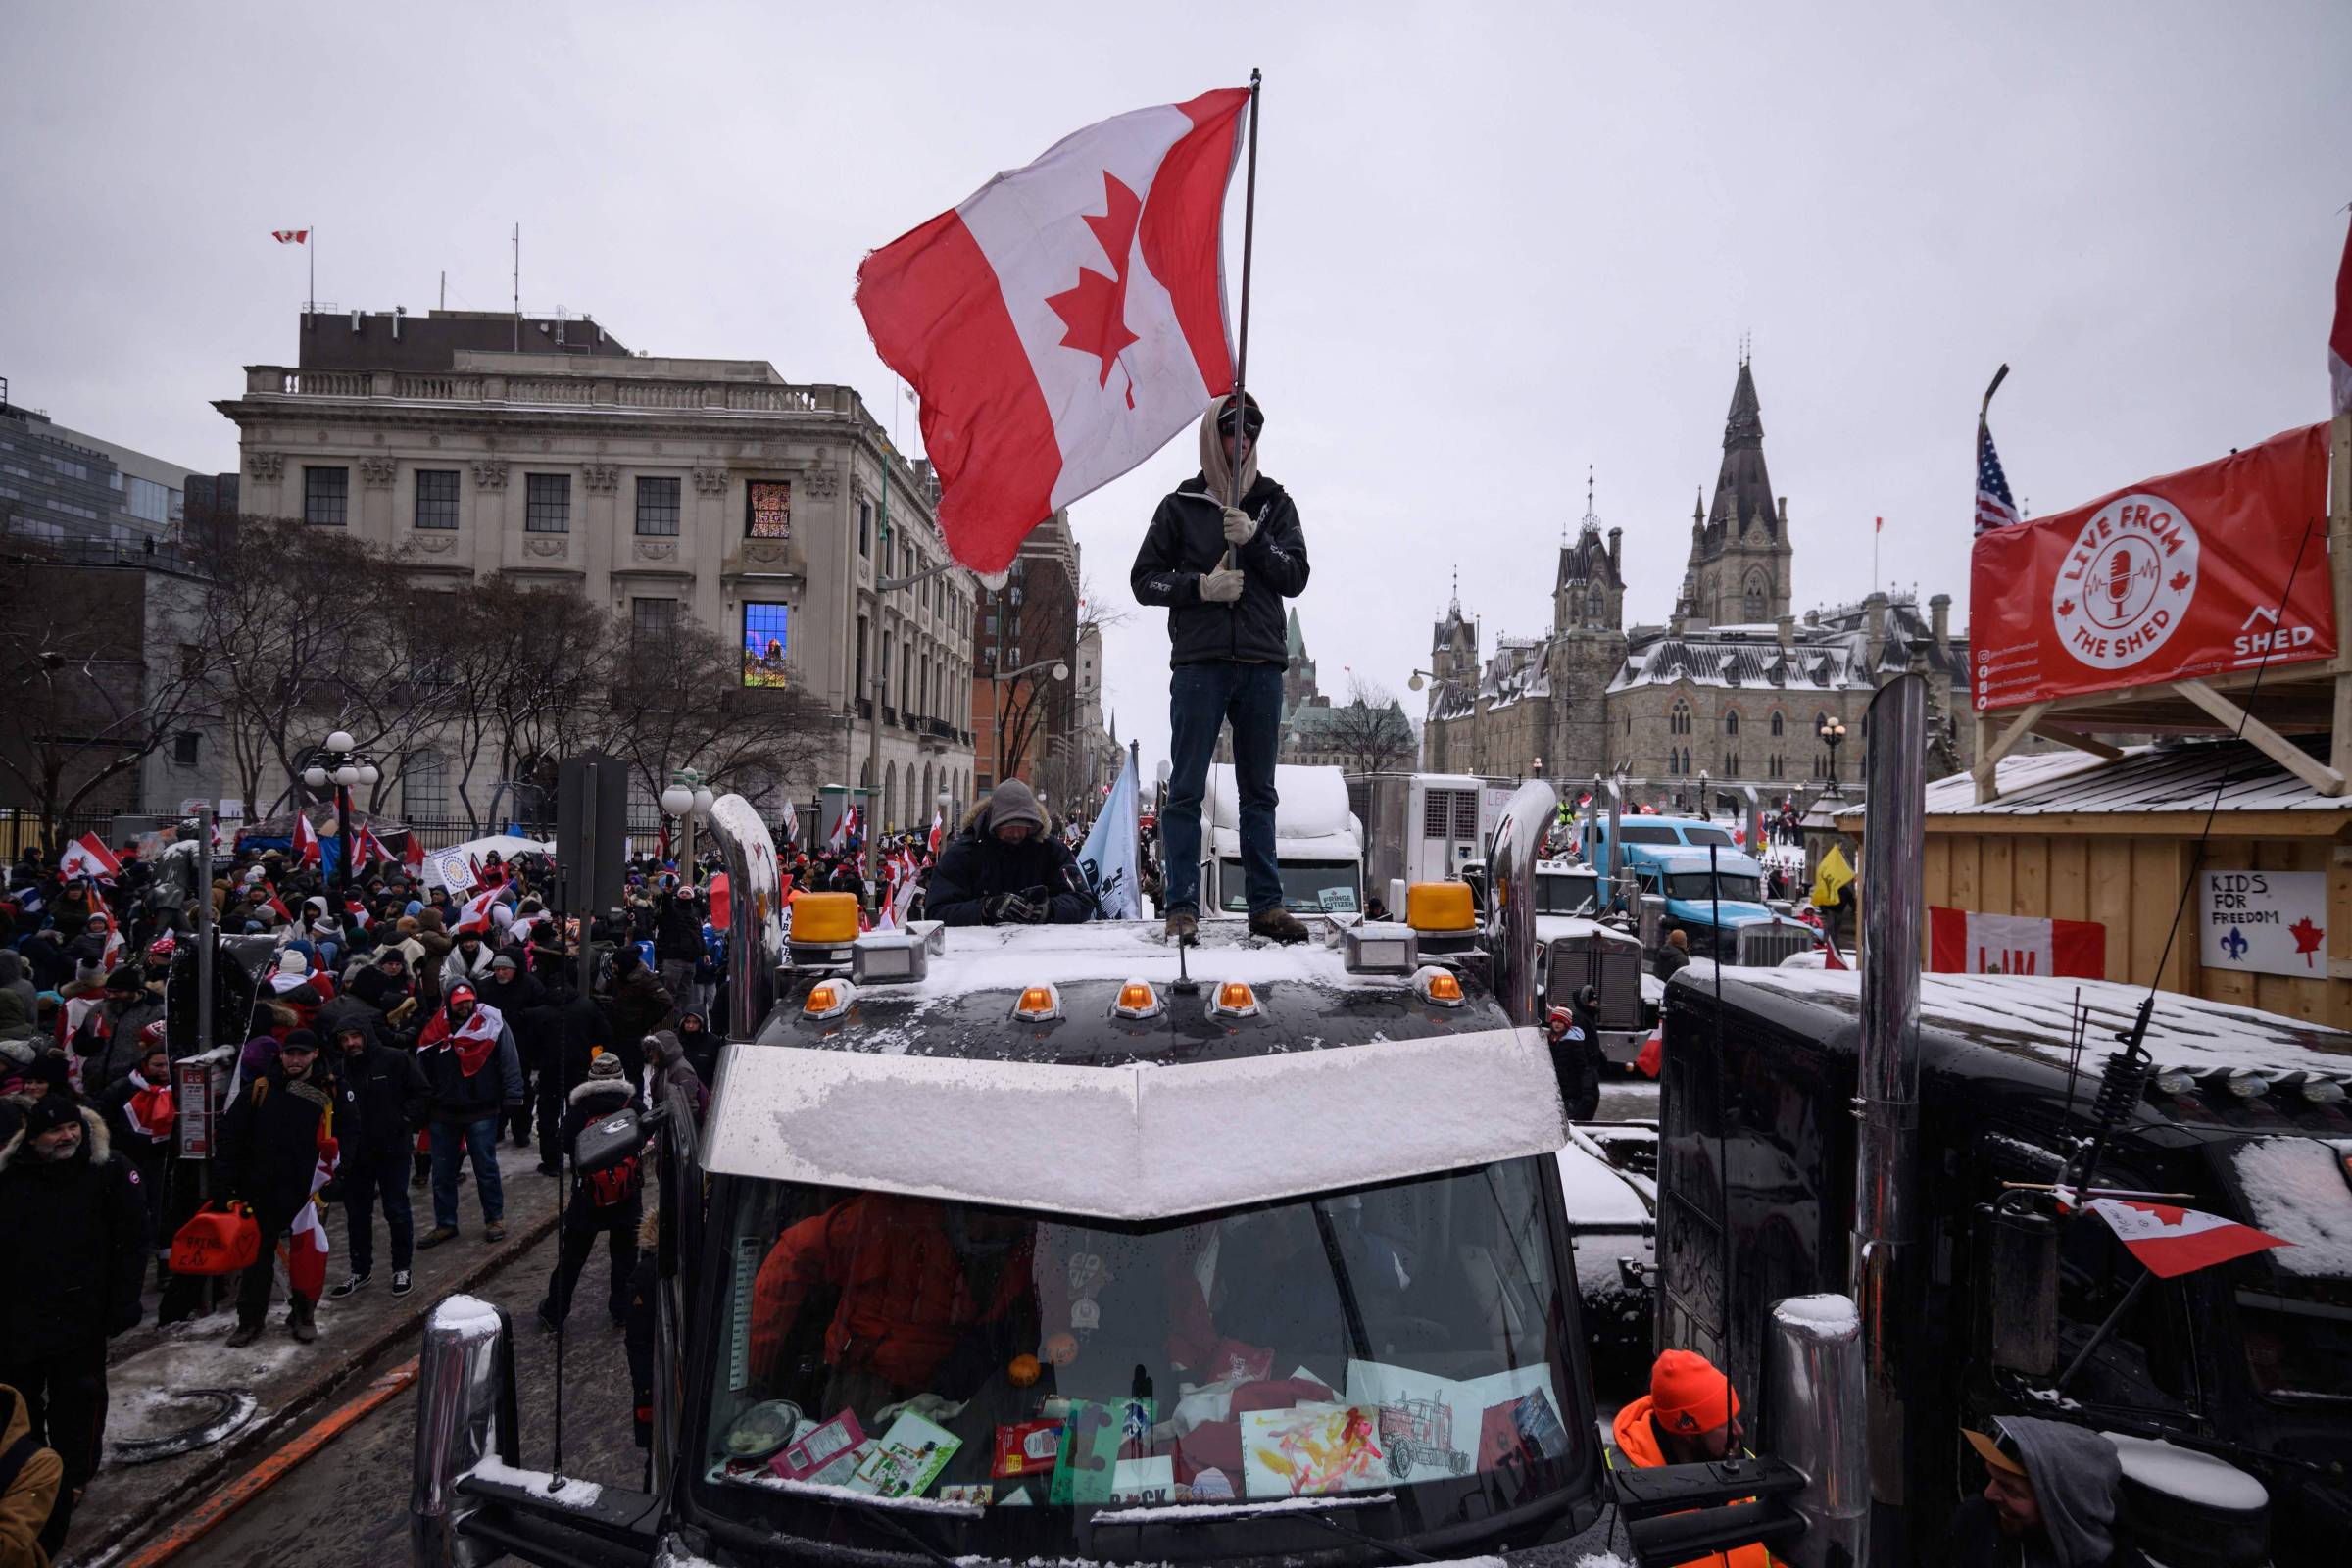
[[437, 1235], [494, 1231], [1280, 924], [1182, 927]]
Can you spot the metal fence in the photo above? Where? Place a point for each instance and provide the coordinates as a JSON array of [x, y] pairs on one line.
[[22, 830]]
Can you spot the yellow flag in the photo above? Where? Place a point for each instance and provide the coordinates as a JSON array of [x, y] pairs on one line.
[[1833, 877]]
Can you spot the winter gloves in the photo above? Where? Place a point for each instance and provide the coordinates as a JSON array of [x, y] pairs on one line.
[[1011, 909], [1239, 527], [1222, 586]]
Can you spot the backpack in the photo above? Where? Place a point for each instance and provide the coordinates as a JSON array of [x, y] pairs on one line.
[[605, 1158]]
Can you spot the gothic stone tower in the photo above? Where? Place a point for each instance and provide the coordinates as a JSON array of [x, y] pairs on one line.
[[1739, 551], [1587, 646]]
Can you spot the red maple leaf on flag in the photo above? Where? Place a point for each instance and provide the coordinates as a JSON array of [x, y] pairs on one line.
[[2065, 606], [2180, 580], [2307, 938], [1096, 311]]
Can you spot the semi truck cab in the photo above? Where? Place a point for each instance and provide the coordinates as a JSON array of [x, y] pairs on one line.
[[1318, 844], [1689, 873]]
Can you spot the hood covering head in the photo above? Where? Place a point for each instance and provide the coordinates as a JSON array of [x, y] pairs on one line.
[[2077, 1476], [1013, 802], [666, 1049], [1213, 467], [9, 966]]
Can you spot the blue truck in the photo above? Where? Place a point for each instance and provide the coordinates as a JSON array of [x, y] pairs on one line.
[[1682, 871]]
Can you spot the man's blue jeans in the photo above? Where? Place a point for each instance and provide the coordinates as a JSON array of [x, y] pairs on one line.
[[1202, 698], [478, 1138]]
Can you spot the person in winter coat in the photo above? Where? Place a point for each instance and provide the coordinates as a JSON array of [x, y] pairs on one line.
[[141, 1114], [640, 1003], [605, 1203], [290, 987], [637, 1326], [11, 978], [673, 1076], [575, 1030], [108, 1041], [74, 1225], [701, 1047], [1690, 1416], [385, 1101], [32, 1475], [2052, 1491], [677, 935], [470, 963], [270, 1142], [1673, 955], [1576, 1058], [1223, 571], [1006, 870], [521, 1001], [468, 1057]]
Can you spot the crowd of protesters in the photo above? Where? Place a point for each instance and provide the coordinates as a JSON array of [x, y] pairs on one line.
[[393, 1036]]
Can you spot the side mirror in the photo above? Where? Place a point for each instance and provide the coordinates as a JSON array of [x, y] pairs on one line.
[[465, 1408], [2019, 1289]]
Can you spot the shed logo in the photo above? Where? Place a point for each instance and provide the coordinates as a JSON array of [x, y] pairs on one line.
[[2126, 583]]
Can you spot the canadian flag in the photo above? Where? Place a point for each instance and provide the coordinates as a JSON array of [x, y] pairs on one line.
[[1064, 320], [476, 915], [2179, 1241], [290, 236], [792, 824], [412, 858], [305, 1239], [938, 828], [306, 838], [1966, 941], [2339, 337], [89, 856], [844, 829]]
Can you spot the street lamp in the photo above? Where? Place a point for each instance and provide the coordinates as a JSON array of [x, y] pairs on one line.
[[1421, 677], [341, 763], [1833, 735], [1055, 668], [686, 801]]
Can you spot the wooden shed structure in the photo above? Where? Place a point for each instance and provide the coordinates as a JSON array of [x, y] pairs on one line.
[[2070, 836]]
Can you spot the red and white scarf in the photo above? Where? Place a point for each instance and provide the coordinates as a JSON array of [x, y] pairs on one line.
[[150, 1108], [474, 1040]]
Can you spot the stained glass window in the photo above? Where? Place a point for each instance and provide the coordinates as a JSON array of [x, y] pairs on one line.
[[765, 642], [771, 509]]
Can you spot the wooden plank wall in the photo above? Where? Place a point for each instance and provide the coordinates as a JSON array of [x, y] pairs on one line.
[[2129, 884]]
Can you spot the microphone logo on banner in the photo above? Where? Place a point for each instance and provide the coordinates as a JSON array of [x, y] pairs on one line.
[[2128, 582]]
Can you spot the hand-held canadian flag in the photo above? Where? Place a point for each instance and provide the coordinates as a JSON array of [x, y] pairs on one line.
[[306, 838], [2179, 1241], [1064, 320], [89, 857]]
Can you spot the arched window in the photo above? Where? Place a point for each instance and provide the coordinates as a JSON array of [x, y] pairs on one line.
[[884, 813], [1677, 721], [1731, 722], [1751, 602], [1776, 723]]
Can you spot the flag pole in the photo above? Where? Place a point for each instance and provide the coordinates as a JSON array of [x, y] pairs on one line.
[[1241, 363], [313, 249]]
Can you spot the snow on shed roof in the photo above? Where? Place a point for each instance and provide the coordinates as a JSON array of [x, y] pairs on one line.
[[2038, 1012], [1158, 1140], [2145, 778]]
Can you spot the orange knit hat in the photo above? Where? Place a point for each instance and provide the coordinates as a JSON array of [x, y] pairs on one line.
[[1687, 1393]]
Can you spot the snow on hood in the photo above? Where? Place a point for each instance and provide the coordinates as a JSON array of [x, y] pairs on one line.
[[2297, 1190], [2038, 1012], [1159, 1140]]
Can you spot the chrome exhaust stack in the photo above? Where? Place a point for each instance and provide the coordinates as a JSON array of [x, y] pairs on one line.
[[465, 1412], [1813, 1381], [1885, 1260], [1511, 928], [756, 912]]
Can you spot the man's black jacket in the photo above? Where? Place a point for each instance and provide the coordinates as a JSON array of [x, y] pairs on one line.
[[977, 866], [1187, 539]]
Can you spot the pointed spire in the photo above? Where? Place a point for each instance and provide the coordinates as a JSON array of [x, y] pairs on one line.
[[1294, 639], [1743, 426]]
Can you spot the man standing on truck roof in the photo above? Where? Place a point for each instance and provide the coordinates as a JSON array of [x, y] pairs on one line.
[[1223, 572], [1689, 1416], [2051, 1494]]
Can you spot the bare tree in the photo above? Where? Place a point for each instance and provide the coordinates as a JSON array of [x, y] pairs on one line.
[[677, 700], [1370, 734], [80, 707], [1049, 624], [522, 665]]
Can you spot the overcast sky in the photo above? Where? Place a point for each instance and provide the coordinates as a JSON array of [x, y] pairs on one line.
[[1495, 244]]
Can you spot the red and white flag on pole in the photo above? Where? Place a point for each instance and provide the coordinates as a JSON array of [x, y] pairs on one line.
[[476, 915], [844, 829], [89, 856], [305, 1239], [1066, 320], [412, 858], [290, 236], [2179, 1241], [1966, 941], [306, 838], [938, 828], [2339, 337]]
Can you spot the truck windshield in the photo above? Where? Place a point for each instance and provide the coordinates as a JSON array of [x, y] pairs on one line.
[[1406, 1338], [2298, 1349], [1701, 837], [1636, 833], [1309, 887], [1697, 887], [1565, 892]]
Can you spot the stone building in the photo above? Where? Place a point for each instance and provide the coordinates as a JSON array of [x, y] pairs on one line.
[[1024, 714], [664, 488], [1730, 691], [1317, 733]]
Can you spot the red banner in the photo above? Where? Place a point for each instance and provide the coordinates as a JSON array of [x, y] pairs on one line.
[[1965, 942], [2169, 579]]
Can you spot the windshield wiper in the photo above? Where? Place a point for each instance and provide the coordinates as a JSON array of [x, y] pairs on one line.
[[880, 1511], [1315, 1510]]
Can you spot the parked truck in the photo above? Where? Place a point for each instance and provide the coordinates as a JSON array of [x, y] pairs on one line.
[[1686, 873], [1318, 844]]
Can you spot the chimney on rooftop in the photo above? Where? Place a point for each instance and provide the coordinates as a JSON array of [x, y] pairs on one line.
[[1939, 611], [1788, 631]]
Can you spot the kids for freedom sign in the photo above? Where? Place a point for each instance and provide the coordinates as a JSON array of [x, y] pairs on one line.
[[2267, 922], [2168, 579]]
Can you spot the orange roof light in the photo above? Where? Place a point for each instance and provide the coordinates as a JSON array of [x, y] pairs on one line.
[[1233, 998], [1440, 907], [1137, 1000], [1437, 985], [828, 999], [825, 917], [1038, 1005]]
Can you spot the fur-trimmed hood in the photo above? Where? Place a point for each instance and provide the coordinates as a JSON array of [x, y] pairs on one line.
[[97, 1143], [589, 1091]]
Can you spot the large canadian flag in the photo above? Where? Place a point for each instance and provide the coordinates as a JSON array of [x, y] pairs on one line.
[[1066, 320], [89, 857], [2179, 1241], [1966, 941], [306, 838]]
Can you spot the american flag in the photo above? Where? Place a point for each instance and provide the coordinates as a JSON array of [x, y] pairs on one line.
[[1997, 508]]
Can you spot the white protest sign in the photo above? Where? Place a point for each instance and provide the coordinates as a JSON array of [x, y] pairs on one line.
[[448, 868], [2266, 923]]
